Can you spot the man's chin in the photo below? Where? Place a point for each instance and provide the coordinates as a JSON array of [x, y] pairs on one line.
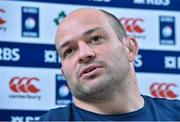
[[93, 85], [94, 91]]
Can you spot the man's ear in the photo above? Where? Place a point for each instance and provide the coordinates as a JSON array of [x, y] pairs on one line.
[[132, 48]]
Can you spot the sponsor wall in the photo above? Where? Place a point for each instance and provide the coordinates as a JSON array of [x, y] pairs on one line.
[[30, 80]]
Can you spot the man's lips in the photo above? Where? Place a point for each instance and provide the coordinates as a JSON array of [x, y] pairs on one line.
[[89, 69]]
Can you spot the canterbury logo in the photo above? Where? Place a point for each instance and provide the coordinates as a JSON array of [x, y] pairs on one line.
[[131, 24], [23, 84], [163, 90], [1, 20]]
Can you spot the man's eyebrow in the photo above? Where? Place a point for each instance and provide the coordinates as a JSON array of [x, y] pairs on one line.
[[93, 30], [64, 44], [67, 42]]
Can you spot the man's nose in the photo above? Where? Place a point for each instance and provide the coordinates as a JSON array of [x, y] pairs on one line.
[[86, 53]]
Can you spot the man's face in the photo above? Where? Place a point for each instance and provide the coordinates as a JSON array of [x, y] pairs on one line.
[[94, 60]]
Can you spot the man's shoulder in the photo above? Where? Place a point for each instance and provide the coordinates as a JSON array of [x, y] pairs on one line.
[[162, 100], [162, 108], [163, 103], [60, 113]]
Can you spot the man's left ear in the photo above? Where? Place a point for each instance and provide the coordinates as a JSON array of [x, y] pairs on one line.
[[132, 48]]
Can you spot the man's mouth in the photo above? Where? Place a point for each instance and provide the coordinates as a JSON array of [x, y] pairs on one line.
[[89, 70]]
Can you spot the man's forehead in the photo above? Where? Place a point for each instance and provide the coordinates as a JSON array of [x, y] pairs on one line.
[[83, 15], [85, 11], [78, 22], [81, 18]]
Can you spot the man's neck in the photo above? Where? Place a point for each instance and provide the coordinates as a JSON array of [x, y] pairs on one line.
[[120, 104]]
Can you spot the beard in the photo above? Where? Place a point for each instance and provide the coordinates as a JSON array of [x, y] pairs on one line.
[[98, 92], [102, 88]]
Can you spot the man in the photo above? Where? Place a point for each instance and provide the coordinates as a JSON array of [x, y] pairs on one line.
[[97, 61]]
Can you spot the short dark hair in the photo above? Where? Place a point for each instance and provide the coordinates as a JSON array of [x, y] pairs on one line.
[[116, 25]]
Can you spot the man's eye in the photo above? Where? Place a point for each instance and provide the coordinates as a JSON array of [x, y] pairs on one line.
[[96, 39], [68, 52]]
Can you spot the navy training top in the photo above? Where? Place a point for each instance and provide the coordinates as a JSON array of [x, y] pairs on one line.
[[154, 109]]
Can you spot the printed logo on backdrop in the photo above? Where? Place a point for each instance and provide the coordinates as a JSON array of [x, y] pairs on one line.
[[153, 2], [172, 62], [165, 61], [59, 18], [3, 27], [63, 94], [20, 115], [51, 56], [167, 30], [9, 54], [24, 88], [21, 54], [30, 22], [138, 62], [164, 90], [134, 27], [24, 118]]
